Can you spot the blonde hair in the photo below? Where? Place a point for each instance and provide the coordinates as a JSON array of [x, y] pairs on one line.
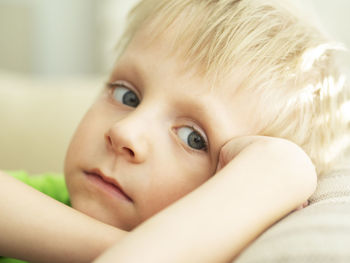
[[287, 62]]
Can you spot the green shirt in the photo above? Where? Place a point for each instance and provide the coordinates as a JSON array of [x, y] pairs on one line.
[[50, 184]]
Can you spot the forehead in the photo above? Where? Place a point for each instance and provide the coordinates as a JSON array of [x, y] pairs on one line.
[[155, 63]]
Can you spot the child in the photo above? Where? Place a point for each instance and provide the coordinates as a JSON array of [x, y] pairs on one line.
[[197, 143]]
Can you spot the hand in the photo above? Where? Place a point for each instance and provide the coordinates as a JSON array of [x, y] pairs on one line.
[[238, 144]]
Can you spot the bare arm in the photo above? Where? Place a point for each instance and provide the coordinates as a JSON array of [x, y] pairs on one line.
[[264, 181], [37, 228]]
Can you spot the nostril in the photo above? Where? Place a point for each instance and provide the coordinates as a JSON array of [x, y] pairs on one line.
[[132, 154]]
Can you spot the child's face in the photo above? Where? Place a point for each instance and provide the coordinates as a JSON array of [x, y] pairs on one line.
[[156, 131]]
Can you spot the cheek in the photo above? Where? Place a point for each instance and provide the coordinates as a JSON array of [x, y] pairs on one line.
[[78, 143], [171, 183], [90, 130], [85, 141]]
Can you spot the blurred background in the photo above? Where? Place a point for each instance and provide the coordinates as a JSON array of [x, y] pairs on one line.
[[60, 37], [65, 37], [54, 58]]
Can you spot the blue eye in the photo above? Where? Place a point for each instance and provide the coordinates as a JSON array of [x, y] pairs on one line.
[[125, 95], [192, 138]]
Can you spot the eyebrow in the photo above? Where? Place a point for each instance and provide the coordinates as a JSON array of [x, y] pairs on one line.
[[202, 113], [132, 66], [125, 68]]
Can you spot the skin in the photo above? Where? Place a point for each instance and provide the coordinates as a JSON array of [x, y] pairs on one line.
[[220, 218], [60, 233], [142, 147]]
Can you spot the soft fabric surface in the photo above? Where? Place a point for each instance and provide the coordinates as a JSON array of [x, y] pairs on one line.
[[319, 233]]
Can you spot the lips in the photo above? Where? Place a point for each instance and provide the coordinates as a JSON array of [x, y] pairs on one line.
[[107, 183]]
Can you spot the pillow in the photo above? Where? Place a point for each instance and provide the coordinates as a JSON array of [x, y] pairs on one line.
[[38, 117], [318, 233]]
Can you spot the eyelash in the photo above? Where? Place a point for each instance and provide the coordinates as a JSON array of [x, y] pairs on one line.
[[113, 85], [134, 99], [203, 137]]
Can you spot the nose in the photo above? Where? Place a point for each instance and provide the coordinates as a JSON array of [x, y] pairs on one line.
[[127, 141]]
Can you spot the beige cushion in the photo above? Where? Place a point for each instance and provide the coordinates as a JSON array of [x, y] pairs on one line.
[[38, 118], [319, 233]]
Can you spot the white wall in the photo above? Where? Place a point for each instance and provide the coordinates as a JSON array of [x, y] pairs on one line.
[[335, 17], [65, 33], [49, 37], [112, 21]]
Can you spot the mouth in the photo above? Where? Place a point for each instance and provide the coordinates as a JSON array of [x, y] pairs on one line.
[[107, 183]]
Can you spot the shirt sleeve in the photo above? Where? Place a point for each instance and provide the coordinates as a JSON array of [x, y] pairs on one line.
[[11, 260]]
